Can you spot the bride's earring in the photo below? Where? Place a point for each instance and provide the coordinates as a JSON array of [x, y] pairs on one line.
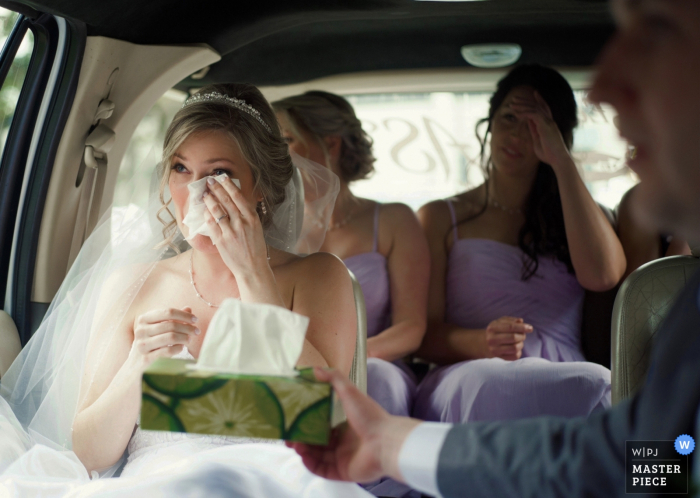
[[263, 208]]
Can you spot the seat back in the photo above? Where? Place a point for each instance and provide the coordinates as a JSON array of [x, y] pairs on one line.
[[10, 345], [358, 371], [642, 303]]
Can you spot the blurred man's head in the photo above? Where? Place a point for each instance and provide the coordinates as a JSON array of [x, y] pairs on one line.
[[650, 72]]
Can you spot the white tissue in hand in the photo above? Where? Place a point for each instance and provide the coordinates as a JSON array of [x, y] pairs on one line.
[[250, 338], [194, 220]]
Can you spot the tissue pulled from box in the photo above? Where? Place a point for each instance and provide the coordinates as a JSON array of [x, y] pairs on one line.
[[194, 219], [252, 338]]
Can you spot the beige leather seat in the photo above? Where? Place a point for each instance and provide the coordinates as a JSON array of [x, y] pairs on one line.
[[641, 305], [358, 371], [10, 345]]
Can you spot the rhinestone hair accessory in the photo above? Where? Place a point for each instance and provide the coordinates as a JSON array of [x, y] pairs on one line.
[[220, 98]]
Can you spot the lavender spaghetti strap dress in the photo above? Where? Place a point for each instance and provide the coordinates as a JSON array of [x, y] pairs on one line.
[[552, 378], [392, 385]]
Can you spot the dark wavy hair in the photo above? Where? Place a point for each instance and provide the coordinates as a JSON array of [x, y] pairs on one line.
[[543, 232]]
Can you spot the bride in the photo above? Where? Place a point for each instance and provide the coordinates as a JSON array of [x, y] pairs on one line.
[[138, 292]]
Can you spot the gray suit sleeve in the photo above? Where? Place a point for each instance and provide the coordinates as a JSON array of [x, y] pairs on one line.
[[539, 457]]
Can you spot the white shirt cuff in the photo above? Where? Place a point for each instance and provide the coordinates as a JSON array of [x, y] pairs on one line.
[[419, 456]]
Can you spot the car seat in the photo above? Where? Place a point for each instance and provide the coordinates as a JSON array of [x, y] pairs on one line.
[[10, 345], [642, 303], [358, 371]]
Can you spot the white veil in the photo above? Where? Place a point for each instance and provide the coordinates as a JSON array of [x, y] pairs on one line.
[[300, 222], [46, 385]]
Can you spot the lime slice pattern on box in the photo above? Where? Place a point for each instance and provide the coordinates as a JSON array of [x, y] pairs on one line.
[[312, 426], [295, 395], [157, 416], [180, 386], [241, 407]]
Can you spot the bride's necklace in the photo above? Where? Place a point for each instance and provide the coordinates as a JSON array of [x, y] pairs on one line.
[[194, 286]]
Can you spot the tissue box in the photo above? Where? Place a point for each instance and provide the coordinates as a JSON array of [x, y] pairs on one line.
[[179, 399]]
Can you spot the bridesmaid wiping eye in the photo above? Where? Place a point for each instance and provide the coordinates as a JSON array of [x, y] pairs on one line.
[[510, 261]]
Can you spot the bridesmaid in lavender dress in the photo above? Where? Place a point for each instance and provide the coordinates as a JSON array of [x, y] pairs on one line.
[[383, 245], [510, 262]]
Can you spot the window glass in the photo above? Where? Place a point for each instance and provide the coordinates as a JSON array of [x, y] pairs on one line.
[[145, 150], [7, 22], [9, 93], [426, 147], [141, 157]]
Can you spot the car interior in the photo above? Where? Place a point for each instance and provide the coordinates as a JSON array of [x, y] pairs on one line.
[[95, 69]]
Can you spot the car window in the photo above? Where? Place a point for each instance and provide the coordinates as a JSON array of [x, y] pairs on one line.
[[145, 149], [426, 147], [424, 143], [8, 18], [143, 153], [10, 91]]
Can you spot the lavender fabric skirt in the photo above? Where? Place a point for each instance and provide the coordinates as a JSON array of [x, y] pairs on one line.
[[392, 385], [495, 389]]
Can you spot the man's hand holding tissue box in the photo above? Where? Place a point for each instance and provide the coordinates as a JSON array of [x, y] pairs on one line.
[[244, 383]]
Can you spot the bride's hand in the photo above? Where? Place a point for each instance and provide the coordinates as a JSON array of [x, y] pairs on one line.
[[238, 234], [162, 333]]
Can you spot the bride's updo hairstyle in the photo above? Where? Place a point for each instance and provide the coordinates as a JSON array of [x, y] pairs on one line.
[[324, 114], [260, 142]]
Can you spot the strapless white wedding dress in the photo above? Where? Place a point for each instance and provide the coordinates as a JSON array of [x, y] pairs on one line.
[[157, 446], [165, 464]]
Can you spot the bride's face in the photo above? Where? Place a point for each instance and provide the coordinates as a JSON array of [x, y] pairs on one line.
[[205, 154]]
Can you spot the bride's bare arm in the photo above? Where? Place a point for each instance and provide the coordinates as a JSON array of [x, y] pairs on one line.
[[323, 292], [110, 397]]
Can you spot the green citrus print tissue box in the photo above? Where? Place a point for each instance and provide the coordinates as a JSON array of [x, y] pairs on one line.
[[180, 399]]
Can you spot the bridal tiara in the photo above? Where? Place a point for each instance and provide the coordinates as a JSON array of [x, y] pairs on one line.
[[221, 98]]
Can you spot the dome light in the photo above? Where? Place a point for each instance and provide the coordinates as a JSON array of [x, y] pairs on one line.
[[492, 55]]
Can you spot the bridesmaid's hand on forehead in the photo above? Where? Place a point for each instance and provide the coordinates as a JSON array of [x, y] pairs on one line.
[[547, 141]]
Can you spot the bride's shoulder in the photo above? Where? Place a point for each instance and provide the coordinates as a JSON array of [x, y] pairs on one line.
[[134, 276], [127, 275], [130, 285]]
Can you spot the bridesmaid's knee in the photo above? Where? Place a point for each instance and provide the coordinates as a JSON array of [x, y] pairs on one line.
[[387, 376], [469, 374], [390, 386]]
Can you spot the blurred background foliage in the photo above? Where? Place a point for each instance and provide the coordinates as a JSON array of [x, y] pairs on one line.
[[11, 88]]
